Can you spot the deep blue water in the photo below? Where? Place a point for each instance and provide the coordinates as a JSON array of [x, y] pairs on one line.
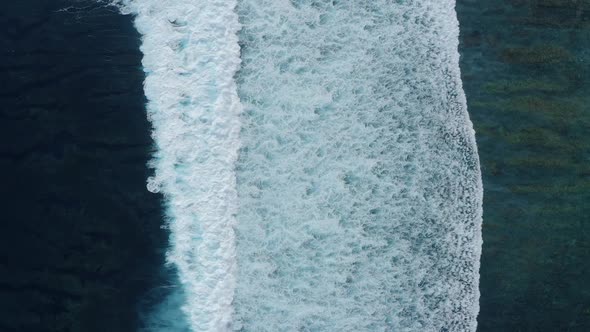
[[80, 239]]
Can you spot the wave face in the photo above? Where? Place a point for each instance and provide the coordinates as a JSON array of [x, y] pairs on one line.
[[358, 177], [191, 54]]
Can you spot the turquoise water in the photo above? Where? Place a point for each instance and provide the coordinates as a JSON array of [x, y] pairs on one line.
[[525, 67]]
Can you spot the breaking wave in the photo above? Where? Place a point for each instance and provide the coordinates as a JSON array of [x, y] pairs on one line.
[[191, 55], [353, 161]]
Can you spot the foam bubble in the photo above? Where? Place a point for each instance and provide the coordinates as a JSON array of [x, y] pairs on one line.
[[359, 182], [191, 54]]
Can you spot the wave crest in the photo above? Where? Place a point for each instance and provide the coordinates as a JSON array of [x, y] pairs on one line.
[[191, 54]]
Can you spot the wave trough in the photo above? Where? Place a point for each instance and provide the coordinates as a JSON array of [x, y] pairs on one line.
[[353, 161]]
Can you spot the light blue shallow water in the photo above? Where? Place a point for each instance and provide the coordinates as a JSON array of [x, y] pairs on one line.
[[330, 183]]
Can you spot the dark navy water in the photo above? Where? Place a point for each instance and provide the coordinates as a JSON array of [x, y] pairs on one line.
[[526, 73], [80, 240]]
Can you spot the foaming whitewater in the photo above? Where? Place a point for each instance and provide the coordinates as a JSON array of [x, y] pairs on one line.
[[191, 54], [358, 177]]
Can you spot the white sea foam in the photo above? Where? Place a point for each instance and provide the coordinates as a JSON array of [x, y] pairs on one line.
[[359, 183], [191, 54]]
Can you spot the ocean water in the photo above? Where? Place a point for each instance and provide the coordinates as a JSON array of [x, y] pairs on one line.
[[526, 74], [318, 164], [80, 241]]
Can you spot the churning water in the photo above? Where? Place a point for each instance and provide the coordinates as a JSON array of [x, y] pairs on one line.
[[318, 162]]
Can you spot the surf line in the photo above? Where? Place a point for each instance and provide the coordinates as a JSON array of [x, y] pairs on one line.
[[191, 55]]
